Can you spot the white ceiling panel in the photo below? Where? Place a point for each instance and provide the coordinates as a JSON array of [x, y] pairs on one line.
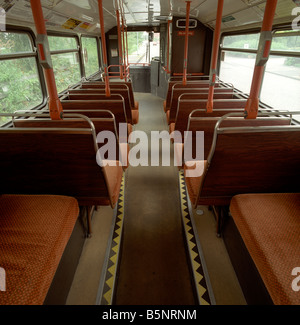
[[83, 15]]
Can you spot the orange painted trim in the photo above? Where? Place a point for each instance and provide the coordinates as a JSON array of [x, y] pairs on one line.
[[186, 43], [189, 74], [104, 51], [252, 104], [55, 107], [168, 47], [215, 53], [120, 44]]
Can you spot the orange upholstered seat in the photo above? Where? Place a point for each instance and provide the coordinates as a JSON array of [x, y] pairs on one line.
[[135, 116], [269, 225], [34, 231]]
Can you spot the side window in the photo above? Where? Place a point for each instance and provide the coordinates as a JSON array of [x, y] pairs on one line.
[[238, 60], [19, 79], [65, 60], [140, 49], [281, 83], [90, 55]]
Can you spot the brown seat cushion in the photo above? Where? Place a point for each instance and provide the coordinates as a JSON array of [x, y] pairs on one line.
[[270, 227], [34, 231]]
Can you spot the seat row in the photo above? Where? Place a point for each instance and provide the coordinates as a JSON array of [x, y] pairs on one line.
[[241, 156], [53, 170]]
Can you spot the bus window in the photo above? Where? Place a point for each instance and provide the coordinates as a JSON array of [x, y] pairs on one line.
[[282, 77], [19, 79], [238, 60], [140, 49], [281, 84], [237, 68], [65, 60], [248, 41], [90, 55]]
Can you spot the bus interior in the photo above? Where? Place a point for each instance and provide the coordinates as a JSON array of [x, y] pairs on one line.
[[150, 152]]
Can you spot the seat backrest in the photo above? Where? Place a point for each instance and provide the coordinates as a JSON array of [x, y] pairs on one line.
[[189, 84], [101, 84], [221, 107], [246, 160], [99, 94], [194, 93], [100, 124], [207, 125], [58, 161], [97, 108]]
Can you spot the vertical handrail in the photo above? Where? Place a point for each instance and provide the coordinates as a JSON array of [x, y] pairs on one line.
[[104, 52], [168, 45], [124, 50], [186, 43], [55, 107], [120, 43], [127, 67], [262, 57], [214, 59]]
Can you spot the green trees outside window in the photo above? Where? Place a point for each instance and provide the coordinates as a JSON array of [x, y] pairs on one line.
[[19, 81], [90, 55]]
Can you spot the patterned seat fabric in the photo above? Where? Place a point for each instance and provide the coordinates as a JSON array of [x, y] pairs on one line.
[[34, 231], [270, 227]]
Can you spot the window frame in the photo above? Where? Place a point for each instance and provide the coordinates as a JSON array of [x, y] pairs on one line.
[[276, 28], [98, 53], [23, 55], [78, 51]]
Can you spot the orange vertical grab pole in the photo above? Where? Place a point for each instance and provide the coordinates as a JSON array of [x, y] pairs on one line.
[[54, 103], [214, 59], [104, 52], [168, 46], [264, 47], [186, 43], [120, 44], [124, 50]]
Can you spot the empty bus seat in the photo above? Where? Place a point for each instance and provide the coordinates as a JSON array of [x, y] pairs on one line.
[[207, 126], [108, 103], [237, 164], [99, 94], [99, 108], [34, 231], [189, 84], [114, 84], [179, 119], [57, 161], [269, 226], [194, 93], [100, 124]]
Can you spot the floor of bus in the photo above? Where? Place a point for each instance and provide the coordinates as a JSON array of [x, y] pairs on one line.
[[153, 269]]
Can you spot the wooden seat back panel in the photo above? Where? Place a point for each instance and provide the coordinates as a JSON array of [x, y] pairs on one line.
[[190, 84], [124, 85], [207, 125], [116, 107], [99, 94], [193, 94], [221, 107], [52, 162], [263, 162]]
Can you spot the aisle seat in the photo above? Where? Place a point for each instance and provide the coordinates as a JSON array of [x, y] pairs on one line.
[[237, 164], [34, 231], [269, 226]]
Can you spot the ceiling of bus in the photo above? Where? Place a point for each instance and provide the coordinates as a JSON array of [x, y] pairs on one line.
[[83, 15]]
